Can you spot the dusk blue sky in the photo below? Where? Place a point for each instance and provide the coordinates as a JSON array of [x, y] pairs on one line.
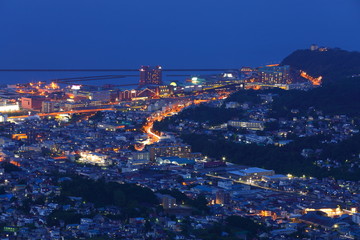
[[175, 34]]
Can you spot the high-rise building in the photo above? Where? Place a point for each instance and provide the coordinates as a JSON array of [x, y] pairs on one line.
[[275, 75], [150, 75]]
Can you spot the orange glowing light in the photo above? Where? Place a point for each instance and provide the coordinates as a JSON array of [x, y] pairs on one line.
[[53, 86], [15, 163], [315, 81], [67, 112], [254, 87], [19, 136], [154, 137], [60, 157]]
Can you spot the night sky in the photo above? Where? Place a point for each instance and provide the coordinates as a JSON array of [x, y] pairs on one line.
[[174, 34]]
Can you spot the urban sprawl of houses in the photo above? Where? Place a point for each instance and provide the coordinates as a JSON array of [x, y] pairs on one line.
[[50, 134]]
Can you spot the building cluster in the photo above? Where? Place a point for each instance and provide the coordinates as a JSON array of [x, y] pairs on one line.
[[99, 146], [106, 133], [257, 126], [65, 95]]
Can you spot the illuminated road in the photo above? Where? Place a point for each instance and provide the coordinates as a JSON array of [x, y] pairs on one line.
[[153, 137], [247, 183], [292, 193], [315, 81], [67, 112]]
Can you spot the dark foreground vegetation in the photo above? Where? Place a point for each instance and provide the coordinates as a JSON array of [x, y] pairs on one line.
[[132, 200], [285, 159]]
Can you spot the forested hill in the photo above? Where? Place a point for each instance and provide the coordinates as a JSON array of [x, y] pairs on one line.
[[333, 65], [335, 98]]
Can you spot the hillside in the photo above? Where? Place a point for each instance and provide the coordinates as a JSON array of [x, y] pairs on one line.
[[335, 98], [333, 65], [339, 95]]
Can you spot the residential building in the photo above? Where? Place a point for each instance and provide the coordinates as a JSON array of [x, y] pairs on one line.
[[178, 150], [275, 75]]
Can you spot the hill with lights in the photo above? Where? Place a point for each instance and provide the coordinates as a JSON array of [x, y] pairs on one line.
[[333, 64]]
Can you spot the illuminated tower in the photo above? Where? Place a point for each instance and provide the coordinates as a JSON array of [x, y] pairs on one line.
[[150, 75]]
